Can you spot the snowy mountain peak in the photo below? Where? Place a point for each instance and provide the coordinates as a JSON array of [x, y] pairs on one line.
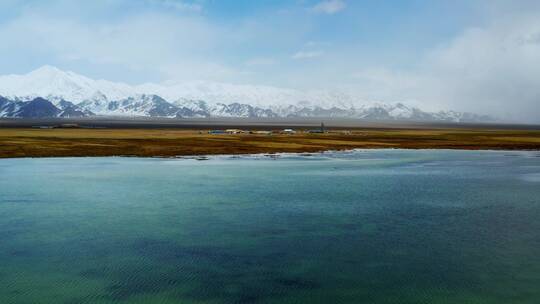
[[45, 70], [63, 80], [55, 84], [74, 94]]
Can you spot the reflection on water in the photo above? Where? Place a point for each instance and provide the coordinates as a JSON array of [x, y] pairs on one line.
[[377, 226], [532, 177]]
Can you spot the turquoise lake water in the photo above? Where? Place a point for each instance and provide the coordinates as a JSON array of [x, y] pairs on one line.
[[378, 226]]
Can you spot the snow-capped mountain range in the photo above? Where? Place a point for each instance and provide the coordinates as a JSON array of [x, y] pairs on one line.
[[51, 92]]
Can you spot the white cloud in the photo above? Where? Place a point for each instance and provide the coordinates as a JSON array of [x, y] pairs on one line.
[[494, 70], [386, 84], [149, 42], [329, 6], [307, 54], [137, 42], [180, 5]]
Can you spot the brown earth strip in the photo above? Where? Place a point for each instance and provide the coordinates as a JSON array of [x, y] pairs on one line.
[[28, 142]]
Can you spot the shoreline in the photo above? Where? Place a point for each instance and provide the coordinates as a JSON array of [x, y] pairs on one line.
[[275, 154]]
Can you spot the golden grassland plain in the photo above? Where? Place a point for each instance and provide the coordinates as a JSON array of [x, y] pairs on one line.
[[30, 142]]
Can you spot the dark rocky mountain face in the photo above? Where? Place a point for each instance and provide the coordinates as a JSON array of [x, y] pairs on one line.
[[3, 101], [68, 109], [377, 113], [38, 107], [244, 110], [185, 112], [8, 108], [161, 108]]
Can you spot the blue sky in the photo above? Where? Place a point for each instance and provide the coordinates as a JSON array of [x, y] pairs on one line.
[[426, 52], [242, 34]]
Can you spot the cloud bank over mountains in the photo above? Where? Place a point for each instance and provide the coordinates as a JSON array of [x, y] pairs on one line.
[[493, 69]]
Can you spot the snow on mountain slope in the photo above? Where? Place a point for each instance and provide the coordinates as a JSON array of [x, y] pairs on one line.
[[138, 105], [55, 84], [75, 95], [255, 95]]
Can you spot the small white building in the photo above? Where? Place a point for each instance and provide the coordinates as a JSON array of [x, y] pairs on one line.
[[288, 131], [262, 132], [234, 131]]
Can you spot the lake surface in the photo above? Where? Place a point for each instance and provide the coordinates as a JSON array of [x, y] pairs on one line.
[[378, 226]]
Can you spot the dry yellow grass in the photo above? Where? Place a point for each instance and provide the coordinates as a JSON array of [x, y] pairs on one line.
[[169, 142]]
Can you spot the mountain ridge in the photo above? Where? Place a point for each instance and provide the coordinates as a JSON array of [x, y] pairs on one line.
[[76, 95]]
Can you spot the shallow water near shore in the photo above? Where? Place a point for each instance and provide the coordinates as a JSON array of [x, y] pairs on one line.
[[368, 226]]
